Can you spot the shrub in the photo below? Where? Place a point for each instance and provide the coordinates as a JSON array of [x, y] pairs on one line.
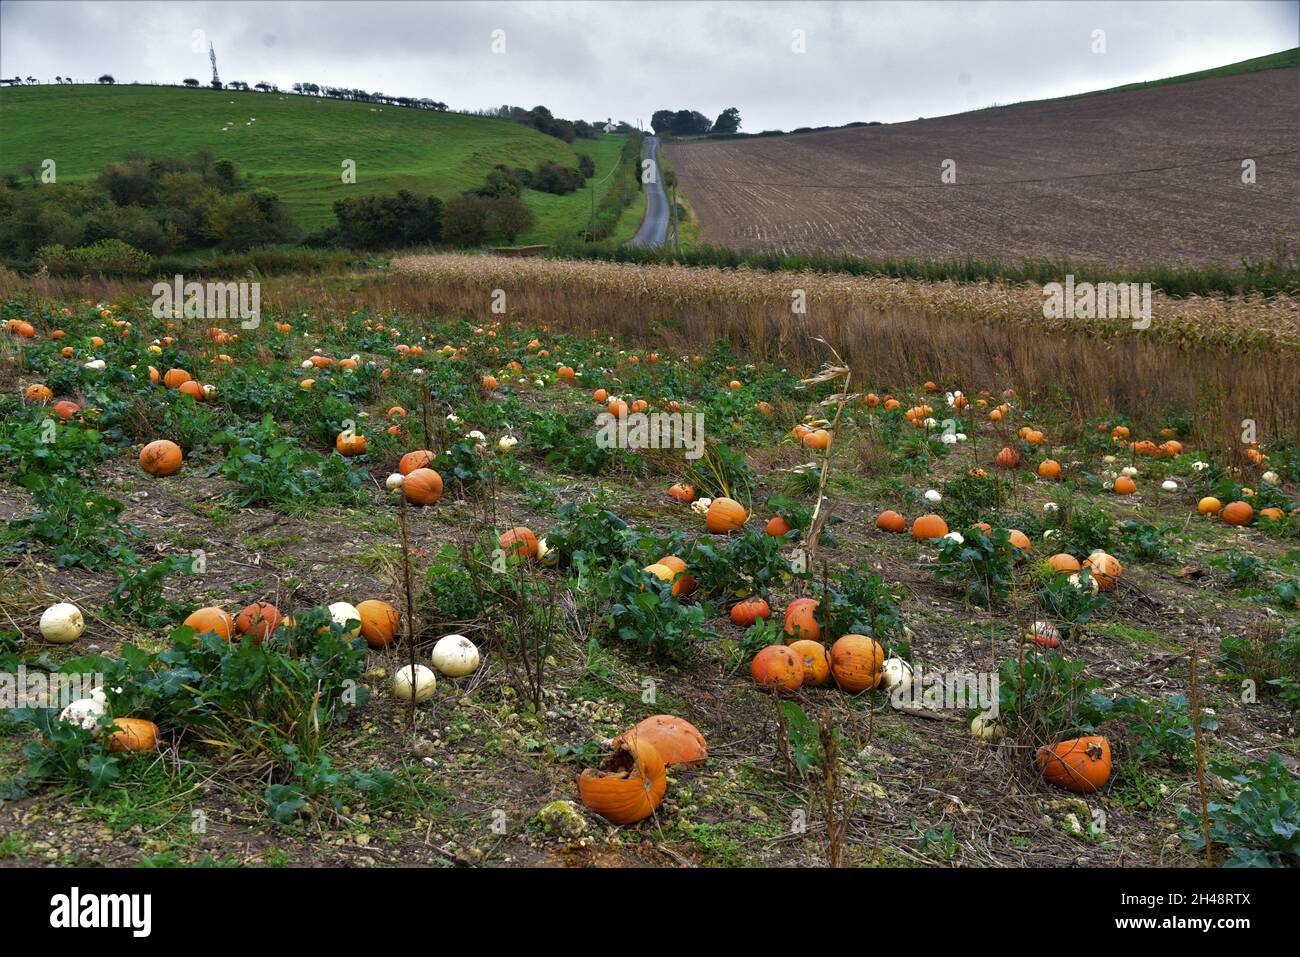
[[1044, 698], [402, 219], [981, 565], [474, 220], [108, 257], [644, 612]]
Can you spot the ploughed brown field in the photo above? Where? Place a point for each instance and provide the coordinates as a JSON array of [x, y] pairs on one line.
[[1123, 179]]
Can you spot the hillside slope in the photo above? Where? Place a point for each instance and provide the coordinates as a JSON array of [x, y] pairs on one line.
[[1123, 178], [295, 146]]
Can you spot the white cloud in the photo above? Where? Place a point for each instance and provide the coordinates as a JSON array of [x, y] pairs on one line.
[[864, 61]]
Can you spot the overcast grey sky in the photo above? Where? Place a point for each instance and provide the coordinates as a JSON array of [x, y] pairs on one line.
[[862, 61]]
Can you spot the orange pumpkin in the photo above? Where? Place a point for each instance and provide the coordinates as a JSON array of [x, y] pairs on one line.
[[818, 439], [777, 527], [66, 410], [778, 668], [519, 541], [1064, 563], [422, 487], [682, 492], [629, 786], [683, 582], [1238, 513], [601, 396], [161, 458], [38, 393], [1020, 540], [928, 527], [1080, 764], [211, 619], [1049, 469], [260, 619], [419, 459], [379, 621], [745, 613], [891, 521], [350, 444], [816, 662], [856, 661], [1209, 506], [676, 739], [801, 620], [1008, 458], [1124, 486], [132, 734], [617, 408], [194, 389], [1105, 569], [725, 515], [175, 377]]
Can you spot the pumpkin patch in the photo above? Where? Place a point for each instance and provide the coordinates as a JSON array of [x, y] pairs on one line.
[[425, 572]]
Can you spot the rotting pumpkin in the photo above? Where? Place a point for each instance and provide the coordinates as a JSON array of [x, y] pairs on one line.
[[629, 786], [777, 668], [676, 739], [856, 661]]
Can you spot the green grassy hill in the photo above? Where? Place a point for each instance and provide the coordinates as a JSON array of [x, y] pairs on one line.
[[297, 144]]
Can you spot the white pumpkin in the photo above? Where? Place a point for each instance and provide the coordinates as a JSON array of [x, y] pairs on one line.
[[895, 675], [986, 728], [394, 482], [62, 623], [84, 712], [455, 656], [1169, 485], [1077, 582], [342, 612], [425, 682], [547, 556], [933, 496]]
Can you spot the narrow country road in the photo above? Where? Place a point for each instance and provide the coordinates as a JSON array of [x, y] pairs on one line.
[[654, 227]]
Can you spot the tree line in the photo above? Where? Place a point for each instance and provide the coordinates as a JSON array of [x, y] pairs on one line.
[[694, 123]]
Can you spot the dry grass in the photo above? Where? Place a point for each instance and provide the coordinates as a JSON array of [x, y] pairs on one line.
[[1225, 360]]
